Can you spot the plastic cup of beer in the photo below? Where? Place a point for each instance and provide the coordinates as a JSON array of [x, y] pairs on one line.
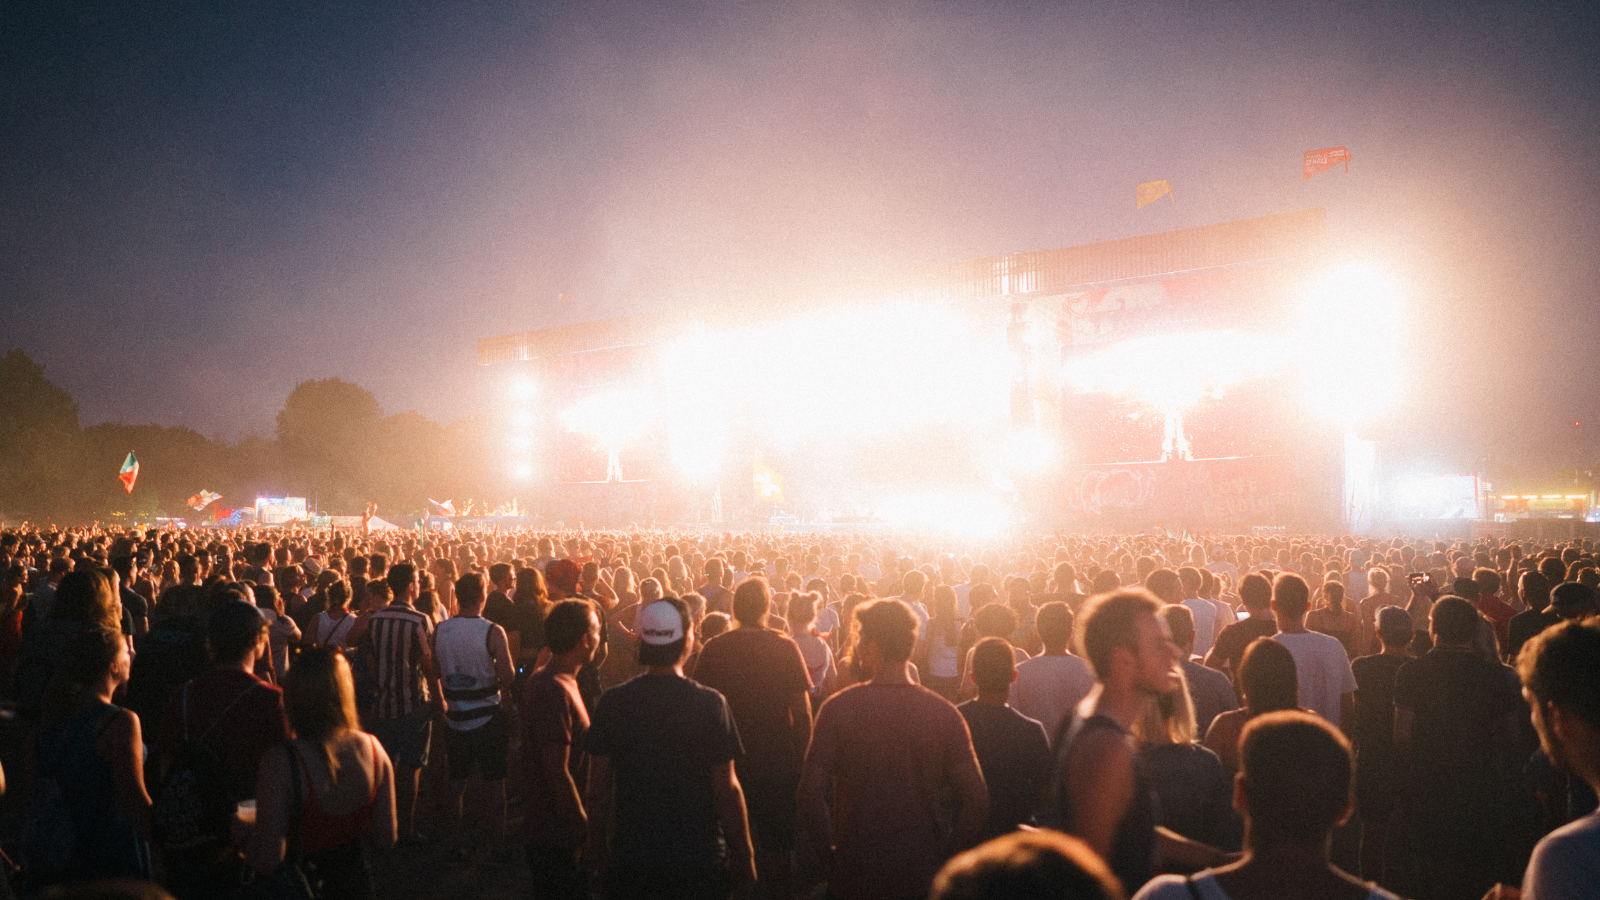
[[247, 812]]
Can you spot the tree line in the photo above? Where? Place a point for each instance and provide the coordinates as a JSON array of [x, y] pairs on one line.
[[333, 444]]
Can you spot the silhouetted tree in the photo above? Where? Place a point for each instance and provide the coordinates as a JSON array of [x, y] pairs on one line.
[[40, 450]]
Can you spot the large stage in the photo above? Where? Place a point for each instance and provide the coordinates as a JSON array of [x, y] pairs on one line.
[[1121, 384]]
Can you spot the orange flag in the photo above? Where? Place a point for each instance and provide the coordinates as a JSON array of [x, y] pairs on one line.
[[1151, 191], [1325, 159]]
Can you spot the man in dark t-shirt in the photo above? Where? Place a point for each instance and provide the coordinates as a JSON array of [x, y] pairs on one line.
[[1377, 762], [1012, 749], [764, 678], [661, 775], [1454, 710], [555, 725], [1255, 593]]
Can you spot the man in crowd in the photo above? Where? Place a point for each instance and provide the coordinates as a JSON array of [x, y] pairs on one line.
[[763, 676], [555, 765], [1454, 711], [1049, 686], [474, 662], [1255, 593], [1209, 690], [237, 717], [718, 598], [398, 645], [1012, 750], [1327, 686], [889, 749], [1377, 776], [1533, 589], [661, 776], [1560, 669], [1168, 588]]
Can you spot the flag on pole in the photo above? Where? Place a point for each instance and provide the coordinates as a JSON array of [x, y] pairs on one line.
[[130, 471], [447, 508], [1151, 191], [768, 484], [202, 499], [1322, 160]]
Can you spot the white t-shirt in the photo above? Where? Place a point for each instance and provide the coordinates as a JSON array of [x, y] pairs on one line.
[[1049, 688], [1323, 669], [1172, 887], [1205, 624], [1566, 863]]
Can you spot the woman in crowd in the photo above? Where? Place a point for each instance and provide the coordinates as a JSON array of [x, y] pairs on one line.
[[344, 780], [334, 624], [1269, 682], [944, 639], [1195, 792], [91, 812], [818, 655], [282, 632], [1334, 617]]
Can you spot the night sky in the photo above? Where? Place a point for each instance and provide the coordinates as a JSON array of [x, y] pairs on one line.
[[203, 203]]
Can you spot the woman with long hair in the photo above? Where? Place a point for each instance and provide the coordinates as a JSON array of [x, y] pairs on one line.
[[1269, 682], [91, 812], [944, 639], [333, 625], [1195, 791], [343, 777]]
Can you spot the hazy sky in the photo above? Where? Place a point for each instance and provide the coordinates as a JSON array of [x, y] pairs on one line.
[[203, 203]]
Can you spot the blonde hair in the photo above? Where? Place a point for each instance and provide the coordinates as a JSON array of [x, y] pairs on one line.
[[1170, 719], [319, 698]]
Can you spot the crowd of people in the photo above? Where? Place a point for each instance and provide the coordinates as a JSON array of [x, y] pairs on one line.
[[709, 714]]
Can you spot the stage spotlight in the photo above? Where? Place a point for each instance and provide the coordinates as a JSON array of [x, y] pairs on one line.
[[1029, 451], [522, 471], [969, 515], [521, 443], [1351, 322], [613, 416], [522, 388]]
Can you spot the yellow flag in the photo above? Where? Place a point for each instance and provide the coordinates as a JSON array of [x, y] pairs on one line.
[[768, 484], [1151, 191]]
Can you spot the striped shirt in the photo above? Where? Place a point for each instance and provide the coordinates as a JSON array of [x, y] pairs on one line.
[[397, 645]]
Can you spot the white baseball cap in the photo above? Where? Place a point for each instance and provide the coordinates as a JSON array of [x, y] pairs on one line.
[[660, 623]]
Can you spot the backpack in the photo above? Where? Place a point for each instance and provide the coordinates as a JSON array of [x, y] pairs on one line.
[[193, 808]]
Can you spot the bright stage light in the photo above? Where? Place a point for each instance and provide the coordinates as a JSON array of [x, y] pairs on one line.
[[522, 388], [1174, 371], [1350, 333], [521, 443], [614, 416], [969, 515], [522, 471], [1029, 451]]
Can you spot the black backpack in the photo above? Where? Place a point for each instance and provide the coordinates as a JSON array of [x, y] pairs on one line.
[[193, 809]]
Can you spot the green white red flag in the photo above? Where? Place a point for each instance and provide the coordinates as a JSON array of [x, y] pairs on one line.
[[130, 471]]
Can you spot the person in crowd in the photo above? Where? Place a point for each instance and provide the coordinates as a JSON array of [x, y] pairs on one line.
[[555, 766], [888, 749], [1454, 710], [1194, 793], [473, 656], [1012, 749], [398, 650], [1372, 737], [339, 775], [762, 674], [81, 598], [1027, 865], [1493, 608], [1269, 681], [334, 624], [1367, 607], [666, 811], [1210, 692], [1559, 669], [1573, 601], [1327, 686], [1166, 585], [1335, 618], [1049, 687], [717, 597], [235, 715], [1293, 790], [126, 567], [1533, 590], [818, 656], [282, 632], [944, 644], [1100, 791], [90, 810], [1255, 594], [1195, 593]]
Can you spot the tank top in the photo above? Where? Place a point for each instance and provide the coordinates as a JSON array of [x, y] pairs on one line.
[[466, 671], [320, 831], [1133, 848]]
